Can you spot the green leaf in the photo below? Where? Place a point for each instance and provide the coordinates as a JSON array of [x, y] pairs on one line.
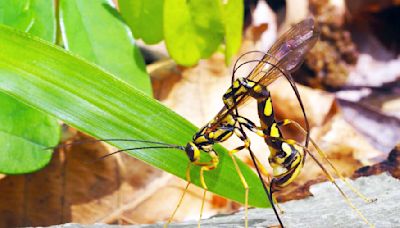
[[44, 21], [95, 31], [145, 18], [34, 16], [24, 131], [233, 13], [17, 14], [192, 29], [94, 101]]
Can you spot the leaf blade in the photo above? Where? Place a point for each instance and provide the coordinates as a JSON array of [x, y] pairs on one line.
[[141, 15], [95, 31], [25, 131], [233, 13], [192, 29], [95, 108]]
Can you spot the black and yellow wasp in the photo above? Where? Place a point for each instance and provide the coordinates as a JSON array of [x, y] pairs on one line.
[[286, 156]]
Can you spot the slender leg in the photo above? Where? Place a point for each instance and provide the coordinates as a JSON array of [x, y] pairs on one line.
[[328, 175], [347, 199], [206, 166], [286, 122], [252, 127], [242, 179], [181, 198], [204, 194], [266, 173], [326, 172], [281, 211]]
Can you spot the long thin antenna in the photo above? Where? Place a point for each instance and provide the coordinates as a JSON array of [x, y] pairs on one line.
[[269, 193], [241, 56], [273, 205], [108, 140], [294, 87], [139, 148]]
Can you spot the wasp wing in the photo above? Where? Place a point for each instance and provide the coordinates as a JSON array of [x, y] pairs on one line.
[[287, 53], [284, 57]]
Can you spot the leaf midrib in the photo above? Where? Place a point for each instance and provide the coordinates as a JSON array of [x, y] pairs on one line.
[[21, 137]]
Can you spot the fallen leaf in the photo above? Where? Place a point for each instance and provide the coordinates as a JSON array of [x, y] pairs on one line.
[[390, 165]]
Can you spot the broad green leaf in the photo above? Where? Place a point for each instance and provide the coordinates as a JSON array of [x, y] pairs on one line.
[[233, 13], [33, 16], [44, 21], [24, 131], [95, 31], [145, 18], [96, 102], [17, 14], [192, 29]]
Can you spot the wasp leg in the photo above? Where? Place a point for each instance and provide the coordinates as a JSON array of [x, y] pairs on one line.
[[252, 127], [206, 166], [182, 196], [266, 173], [332, 180], [286, 122], [299, 147], [246, 142]]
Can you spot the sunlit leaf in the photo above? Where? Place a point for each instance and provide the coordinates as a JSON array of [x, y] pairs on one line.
[[25, 131], [192, 29], [145, 18], [233, 13], [95, 31], [94, 101]]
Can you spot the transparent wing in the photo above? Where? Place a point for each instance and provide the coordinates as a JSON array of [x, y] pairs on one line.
[[284, 57], [287, 52]]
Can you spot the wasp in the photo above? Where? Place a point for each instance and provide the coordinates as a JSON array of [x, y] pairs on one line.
[[286, 156]]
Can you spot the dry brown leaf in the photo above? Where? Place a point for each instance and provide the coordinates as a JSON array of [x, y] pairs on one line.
[[345, 148], [57, 190], [390, 165], [318, 104], [74, 188], [381, 130]]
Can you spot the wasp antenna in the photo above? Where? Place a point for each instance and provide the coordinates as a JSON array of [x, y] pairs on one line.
[[138, 148], [307, 124], [267, 190], [108, 140], [289, 78], [138, 140], [243, 55], [273, 205]]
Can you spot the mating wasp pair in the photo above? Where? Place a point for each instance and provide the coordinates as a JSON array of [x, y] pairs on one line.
[[286, 156]]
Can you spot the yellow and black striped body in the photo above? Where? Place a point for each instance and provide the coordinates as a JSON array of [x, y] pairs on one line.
[[206, 137], [286, 158]]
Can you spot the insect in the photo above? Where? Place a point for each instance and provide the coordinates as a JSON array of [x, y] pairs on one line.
[[286, 156]]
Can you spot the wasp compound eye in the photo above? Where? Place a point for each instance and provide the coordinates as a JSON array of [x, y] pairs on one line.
[[190, 151]]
